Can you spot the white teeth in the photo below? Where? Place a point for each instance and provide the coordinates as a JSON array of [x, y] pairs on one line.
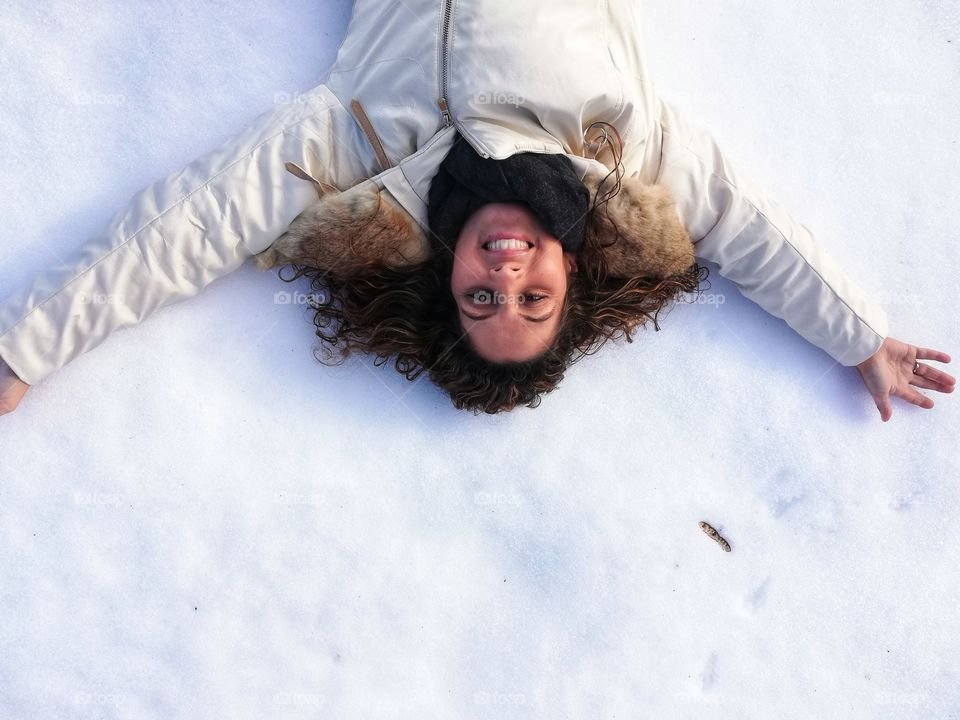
[[507, 244]]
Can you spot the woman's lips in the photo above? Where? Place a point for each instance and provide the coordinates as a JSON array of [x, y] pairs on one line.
[[511, 252], [506, 252]]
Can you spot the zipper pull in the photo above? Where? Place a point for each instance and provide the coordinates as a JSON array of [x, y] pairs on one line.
[[442, 102]]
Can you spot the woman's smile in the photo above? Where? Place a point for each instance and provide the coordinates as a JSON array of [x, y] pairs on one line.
[[509, 280], [505, 244]]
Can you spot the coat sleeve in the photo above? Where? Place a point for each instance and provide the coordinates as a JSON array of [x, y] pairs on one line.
[[774, 260], [183, 231]]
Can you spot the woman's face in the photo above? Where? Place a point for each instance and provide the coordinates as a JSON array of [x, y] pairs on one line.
[[510, 295]]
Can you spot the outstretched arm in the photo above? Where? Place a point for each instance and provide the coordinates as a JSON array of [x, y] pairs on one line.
[[773, 259], [778, 263], [179, 234]]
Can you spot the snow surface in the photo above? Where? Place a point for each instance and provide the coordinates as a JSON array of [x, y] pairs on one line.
[[197, 520]]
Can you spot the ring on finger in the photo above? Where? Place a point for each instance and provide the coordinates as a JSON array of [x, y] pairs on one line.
[[916, 367]]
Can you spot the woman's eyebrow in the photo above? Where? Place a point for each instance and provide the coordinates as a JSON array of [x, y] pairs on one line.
[[542, 318]]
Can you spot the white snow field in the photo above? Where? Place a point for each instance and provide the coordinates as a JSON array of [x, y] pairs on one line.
[[199, 520]]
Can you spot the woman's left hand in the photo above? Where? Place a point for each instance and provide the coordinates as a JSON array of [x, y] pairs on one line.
[[889, 371]]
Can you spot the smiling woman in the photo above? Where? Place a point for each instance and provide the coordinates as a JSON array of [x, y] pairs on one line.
[[510, 280], [439, 128], [510, 269], [499, 309]]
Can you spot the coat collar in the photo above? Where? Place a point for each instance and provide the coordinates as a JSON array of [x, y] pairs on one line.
[[384, 219]]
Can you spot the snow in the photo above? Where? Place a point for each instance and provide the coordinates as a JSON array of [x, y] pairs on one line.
[[197, 520]]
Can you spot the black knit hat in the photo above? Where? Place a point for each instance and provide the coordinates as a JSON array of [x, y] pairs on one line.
[[546, 183]]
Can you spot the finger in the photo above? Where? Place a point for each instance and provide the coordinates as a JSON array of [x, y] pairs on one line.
[[928, 384], [884, 406], [930, 354], [937, 376], [915, 397]]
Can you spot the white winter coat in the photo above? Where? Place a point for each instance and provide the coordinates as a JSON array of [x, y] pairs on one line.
[[511, 76]]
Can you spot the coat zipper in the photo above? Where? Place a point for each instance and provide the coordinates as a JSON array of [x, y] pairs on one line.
[[444, 52], [444, 39]]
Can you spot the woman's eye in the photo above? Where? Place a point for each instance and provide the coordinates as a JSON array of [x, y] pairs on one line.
[[534, 298]]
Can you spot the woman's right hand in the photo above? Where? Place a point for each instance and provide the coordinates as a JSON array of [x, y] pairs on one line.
[[12, 389]]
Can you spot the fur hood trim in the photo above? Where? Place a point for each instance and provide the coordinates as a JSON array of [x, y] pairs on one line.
[[363, 224]]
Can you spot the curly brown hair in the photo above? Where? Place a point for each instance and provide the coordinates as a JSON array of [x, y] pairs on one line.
[[410, 314]]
